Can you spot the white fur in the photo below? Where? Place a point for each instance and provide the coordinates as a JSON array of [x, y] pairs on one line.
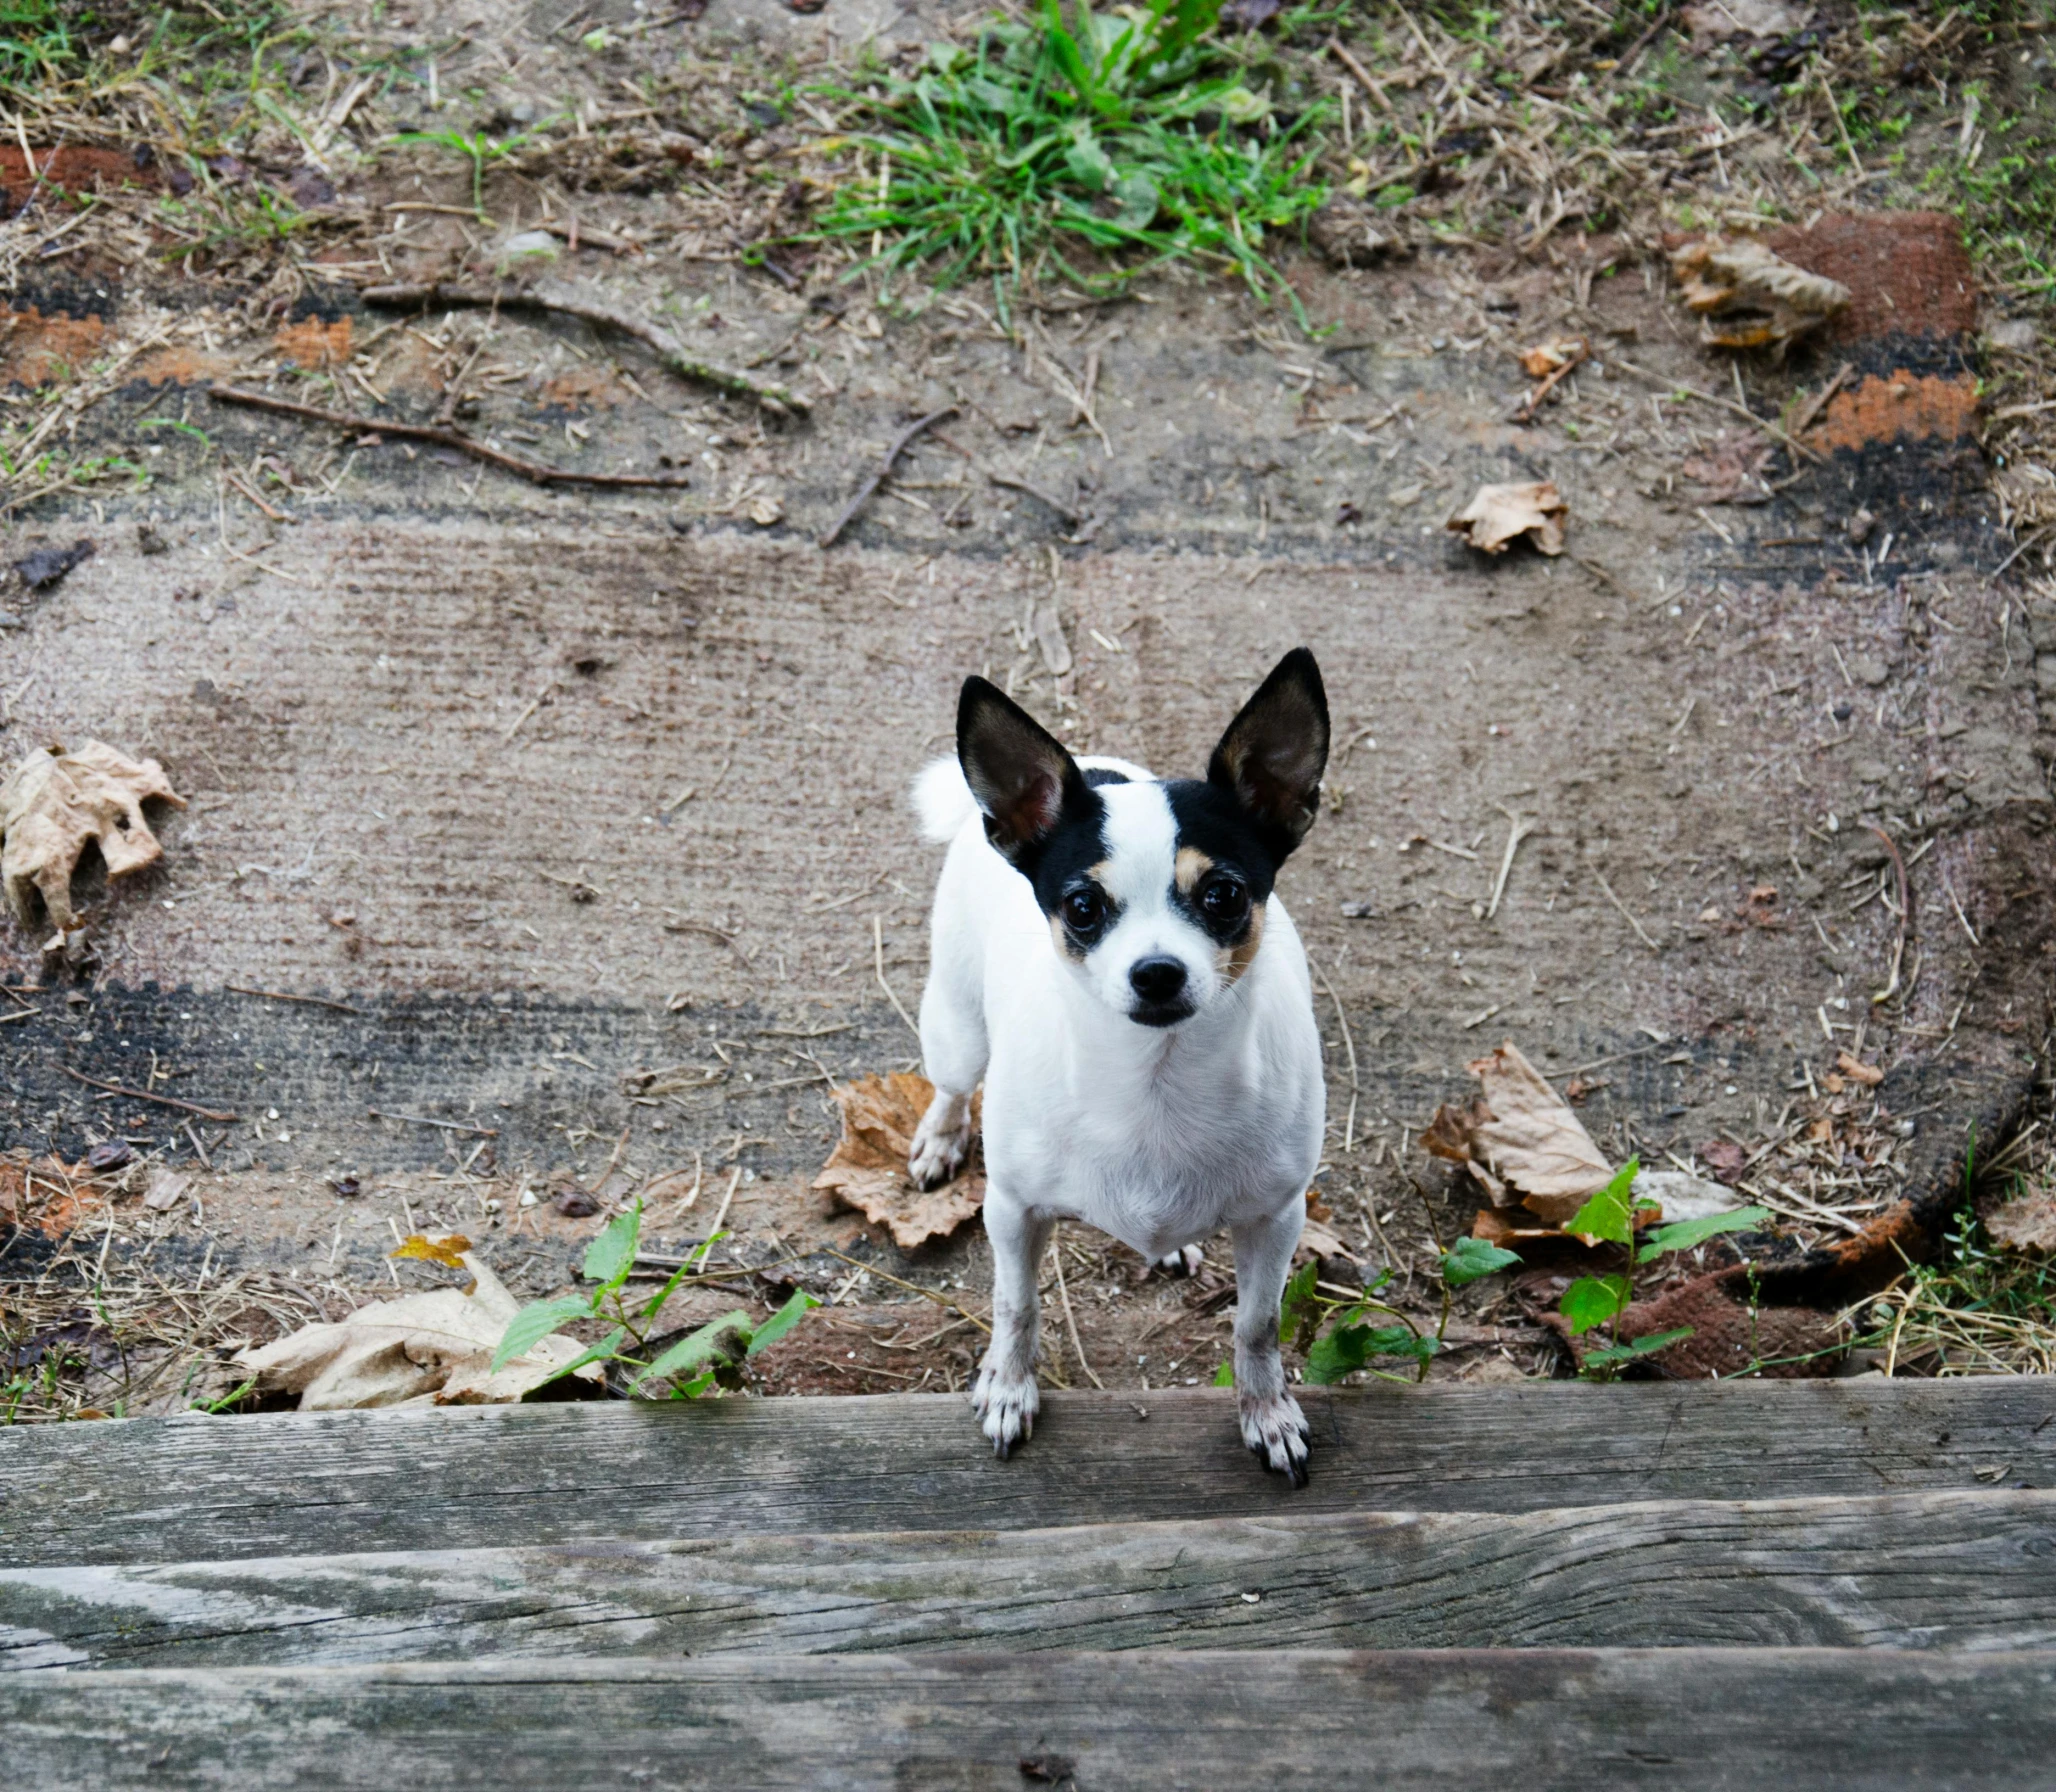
[[1158, 1136]]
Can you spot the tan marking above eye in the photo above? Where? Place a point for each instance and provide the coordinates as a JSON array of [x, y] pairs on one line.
[[1190, 866]]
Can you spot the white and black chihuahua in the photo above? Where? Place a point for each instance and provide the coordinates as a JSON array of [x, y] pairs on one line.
[[1108, 957]]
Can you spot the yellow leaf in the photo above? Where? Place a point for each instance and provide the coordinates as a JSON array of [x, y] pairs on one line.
[[449, 1252]]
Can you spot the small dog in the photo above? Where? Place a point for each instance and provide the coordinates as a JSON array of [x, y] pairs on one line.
[[1108, 957]]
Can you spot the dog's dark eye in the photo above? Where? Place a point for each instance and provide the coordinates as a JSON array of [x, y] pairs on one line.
[[1084, 910], [1224, 902]]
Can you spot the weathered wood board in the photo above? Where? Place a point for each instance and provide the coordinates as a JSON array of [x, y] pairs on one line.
[[198, 1488], [1679, 1719], [1950, 1570]]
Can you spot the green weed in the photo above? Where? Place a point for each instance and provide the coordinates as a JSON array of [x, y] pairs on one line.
[[479, 150], [1124, 137], [712, 1356], [1341, 1334]]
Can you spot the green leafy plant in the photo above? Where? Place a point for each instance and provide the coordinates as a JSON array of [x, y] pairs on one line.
[[479, 150], [1608, 1217], [1128, 135], [712, 1356], [1341, 1333]]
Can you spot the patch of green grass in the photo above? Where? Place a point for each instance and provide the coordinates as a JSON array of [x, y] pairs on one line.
[[1130, 139], [1976, 1310], [481, 151]]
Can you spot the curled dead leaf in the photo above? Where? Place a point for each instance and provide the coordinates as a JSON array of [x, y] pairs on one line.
[[764, 511], [1519, 1138], [1854, 1068], [55, 804], [1545, 358], [868, 1168], [1760, 299], [422, 1348], [1500, 514]]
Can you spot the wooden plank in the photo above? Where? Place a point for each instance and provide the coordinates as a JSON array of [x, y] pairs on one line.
[[198, 1488], [1948, 1570], [1677, 1718]]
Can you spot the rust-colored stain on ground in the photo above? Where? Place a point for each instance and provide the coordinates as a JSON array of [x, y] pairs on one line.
[[1900, 406], [1907, 273], [45, 1193], [315, 343], [71, 168], [35, 348]]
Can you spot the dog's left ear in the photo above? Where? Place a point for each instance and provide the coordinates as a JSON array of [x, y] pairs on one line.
[[1272, 757]]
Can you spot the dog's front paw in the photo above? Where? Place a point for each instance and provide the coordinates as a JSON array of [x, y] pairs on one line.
[[1006, 1406], [941, 1143], [1276, 1432], [1182, 1263]]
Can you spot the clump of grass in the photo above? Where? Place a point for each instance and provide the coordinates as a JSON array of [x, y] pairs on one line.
[[1129, 138], [1979, 1310]]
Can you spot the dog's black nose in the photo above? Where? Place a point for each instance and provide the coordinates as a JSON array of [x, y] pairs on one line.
[[1157, 980]]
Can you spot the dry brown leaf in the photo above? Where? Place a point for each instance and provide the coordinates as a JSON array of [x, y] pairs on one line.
[[1545, 358], [1520, 1138], [449, 1252], [2026, 1223], [434, 1348], [54, 804], [868, 1168], [1502, 513], [1760, 299], [1869, 1075], [167, 1189]]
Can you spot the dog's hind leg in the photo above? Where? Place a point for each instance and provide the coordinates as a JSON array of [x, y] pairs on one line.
[[953, 1051], [1005, 1397], [1272, 1425]]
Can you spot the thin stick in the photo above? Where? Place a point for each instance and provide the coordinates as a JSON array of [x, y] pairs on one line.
[[482, 1132], [1518, 832], [1348, 1045], [1949, 890], [1070, 517], [878, 957], [447, 438], [515, 298], [727, 1195], [279, 995], [1556, 376], [870, 486], [1363, 75], [1640, 934], [1070, 1320], [163, 1101], [948, 1306], [1798, 449], [1905, 916]]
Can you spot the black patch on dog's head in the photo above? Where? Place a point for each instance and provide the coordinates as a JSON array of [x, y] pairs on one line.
[[1236, 847]]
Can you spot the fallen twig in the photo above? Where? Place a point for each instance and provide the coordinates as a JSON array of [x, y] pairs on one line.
[[483, 1132], [1813, 407], [1905, 916], [516, 298], [1640, 932], [1362, 74], [163, 1101], [1070, 517], [279, 995], [1571, 363], [1799, 450], [1070, 1320], [448, 438], [865, 492], [878, 957]]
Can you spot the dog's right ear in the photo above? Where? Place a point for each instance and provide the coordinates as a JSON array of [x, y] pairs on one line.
[[1020, 773]]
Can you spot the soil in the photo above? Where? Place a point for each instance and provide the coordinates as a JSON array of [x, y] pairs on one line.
[[501, 795]]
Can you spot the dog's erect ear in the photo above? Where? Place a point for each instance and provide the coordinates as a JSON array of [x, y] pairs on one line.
[[1019, 772], [1275, 751]]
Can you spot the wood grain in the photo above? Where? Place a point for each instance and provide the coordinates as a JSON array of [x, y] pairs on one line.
[[200, 1488], [1951, 1570], [1448, 1721]]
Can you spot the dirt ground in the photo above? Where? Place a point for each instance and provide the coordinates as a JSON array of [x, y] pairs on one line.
[[548, 846]]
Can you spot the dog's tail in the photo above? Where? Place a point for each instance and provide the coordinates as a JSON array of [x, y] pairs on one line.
[[943, 800]]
